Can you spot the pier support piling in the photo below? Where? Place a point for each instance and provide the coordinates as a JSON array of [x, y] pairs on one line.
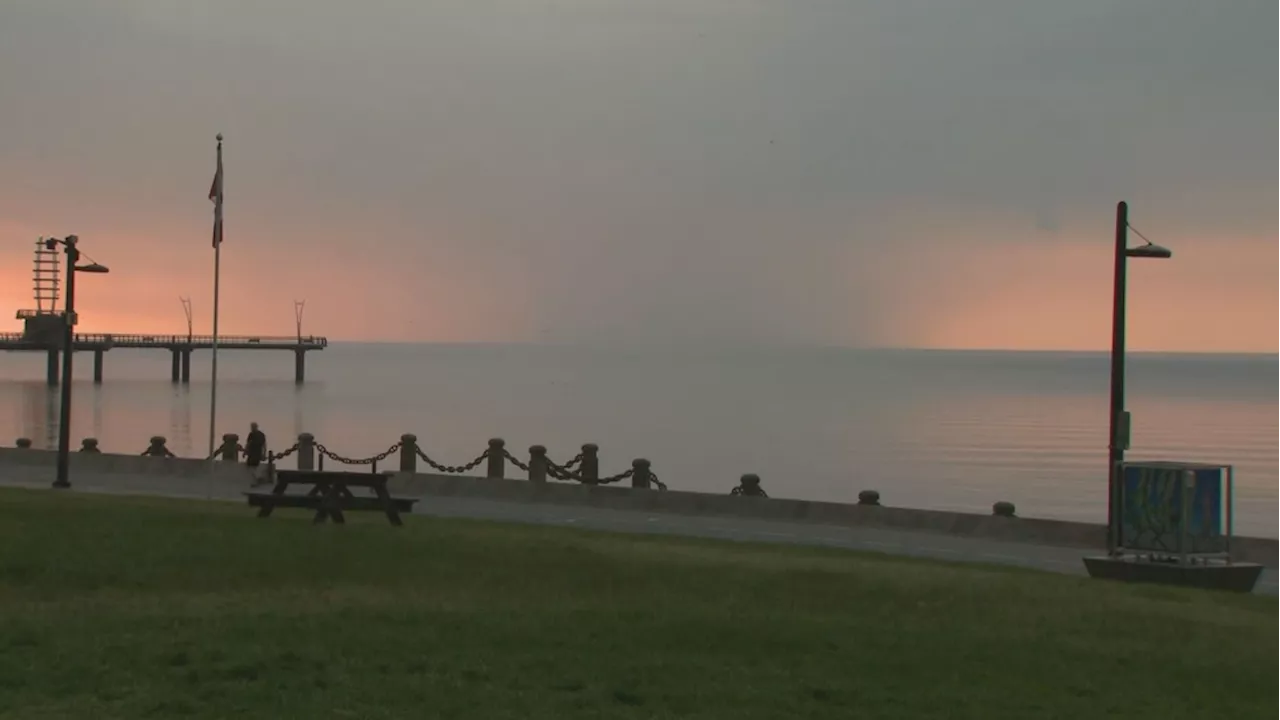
[[174, 371], [299, 366], [97, 366], [186, 367], [51, 369]]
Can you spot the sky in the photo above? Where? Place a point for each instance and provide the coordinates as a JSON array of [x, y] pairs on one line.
[[908, 173]]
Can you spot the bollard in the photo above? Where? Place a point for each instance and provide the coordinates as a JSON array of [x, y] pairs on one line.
[[157, 447], [537, 464], [497, 458], [307, 452], [590, 464], [230, 450], [1003, 509], [23, 443], [640, 473], [749, 485], [89, 445], [868, 497], [408, 453]]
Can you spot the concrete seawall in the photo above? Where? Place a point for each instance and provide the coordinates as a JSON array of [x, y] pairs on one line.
[[112, 463], [1060, 533]]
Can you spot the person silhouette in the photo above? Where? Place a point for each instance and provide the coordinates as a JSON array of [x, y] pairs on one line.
[[255, 449]]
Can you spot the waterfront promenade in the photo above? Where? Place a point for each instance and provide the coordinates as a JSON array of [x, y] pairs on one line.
[[228, 481]]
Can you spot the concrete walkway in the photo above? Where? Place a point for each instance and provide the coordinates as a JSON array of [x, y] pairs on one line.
[[926, 545]]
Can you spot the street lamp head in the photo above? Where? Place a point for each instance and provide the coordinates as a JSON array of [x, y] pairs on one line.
[[92, 268], [1150, 250]]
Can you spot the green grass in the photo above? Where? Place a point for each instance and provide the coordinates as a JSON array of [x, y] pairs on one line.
[[137, 608]]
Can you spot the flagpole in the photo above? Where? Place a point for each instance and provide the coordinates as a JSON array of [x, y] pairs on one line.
[[217, 264]]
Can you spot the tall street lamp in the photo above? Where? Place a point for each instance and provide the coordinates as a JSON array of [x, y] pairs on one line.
[[1118, 435], [68, 349]]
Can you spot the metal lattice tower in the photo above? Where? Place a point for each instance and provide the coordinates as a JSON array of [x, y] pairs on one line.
[[46, 278]]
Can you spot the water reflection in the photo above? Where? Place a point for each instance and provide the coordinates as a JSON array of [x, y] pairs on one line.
[[927, 429]]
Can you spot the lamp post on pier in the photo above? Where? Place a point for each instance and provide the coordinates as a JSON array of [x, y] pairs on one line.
[[1118, 433], [68, 349], [298, 307]]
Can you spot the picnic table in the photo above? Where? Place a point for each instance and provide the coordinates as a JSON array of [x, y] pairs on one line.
[[330, 495]]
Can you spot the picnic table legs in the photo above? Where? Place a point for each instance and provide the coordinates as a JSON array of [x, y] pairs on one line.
[[277, 489], [331, 497], [392, 514]]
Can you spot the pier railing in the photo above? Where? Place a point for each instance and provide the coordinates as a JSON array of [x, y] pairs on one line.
[[170, 341]]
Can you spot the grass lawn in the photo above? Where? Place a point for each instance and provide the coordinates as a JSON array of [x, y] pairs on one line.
[[117, 607]]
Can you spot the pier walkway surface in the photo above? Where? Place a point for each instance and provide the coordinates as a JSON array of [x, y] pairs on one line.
[[867, 539]]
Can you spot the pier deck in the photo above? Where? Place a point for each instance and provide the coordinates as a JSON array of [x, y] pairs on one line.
[[181, 346], [107, 341]]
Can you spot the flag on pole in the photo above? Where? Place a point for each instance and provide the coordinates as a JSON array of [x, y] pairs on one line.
[[215, 194]]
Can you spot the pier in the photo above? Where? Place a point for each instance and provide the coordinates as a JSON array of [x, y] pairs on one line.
[[45, 330], [179, 346]]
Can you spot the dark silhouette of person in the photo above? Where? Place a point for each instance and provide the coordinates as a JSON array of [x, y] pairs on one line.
[[255, 449]]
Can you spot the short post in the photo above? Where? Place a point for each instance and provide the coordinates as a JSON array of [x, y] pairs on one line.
[[537, 464], [640, 473], [230, 450], [497, 458], [307, 451], [1003, 508], [23, 443], [749, 485], [89, 445], [408, 453], [590, 464], [157, 447]]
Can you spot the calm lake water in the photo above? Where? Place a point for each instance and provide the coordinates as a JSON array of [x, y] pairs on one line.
[[936, 429]]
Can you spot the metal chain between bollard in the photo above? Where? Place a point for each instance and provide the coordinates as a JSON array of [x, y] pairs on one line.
[[577, 460], [286, 452], [452, 468], [515, 460], [653, 478], [356, 461], [564, 472]]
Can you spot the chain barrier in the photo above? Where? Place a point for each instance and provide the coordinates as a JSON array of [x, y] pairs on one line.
[[570, 471], [515, 460], [452, 468], [357, 461], [565, 472], [624, 475]]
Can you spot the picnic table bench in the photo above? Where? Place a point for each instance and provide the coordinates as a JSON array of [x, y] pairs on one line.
[[330, 495]]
